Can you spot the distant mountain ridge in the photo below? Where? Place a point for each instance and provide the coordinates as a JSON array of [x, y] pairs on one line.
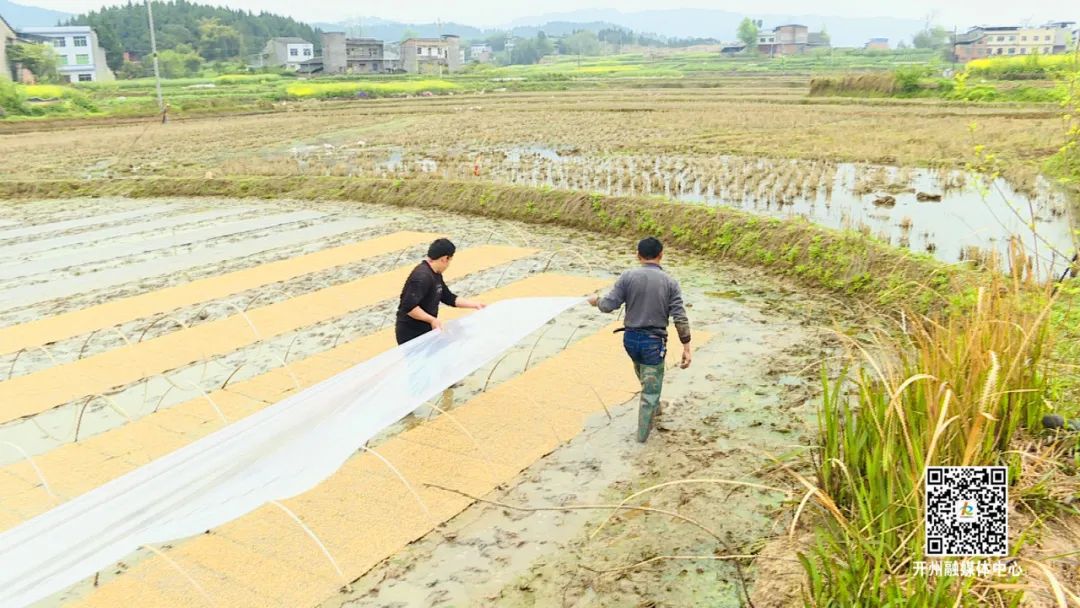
[[384, 29], [21, 15], [672, 23], [715, 23]]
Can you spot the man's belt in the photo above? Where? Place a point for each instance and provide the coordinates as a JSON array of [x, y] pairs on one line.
[[656, 331]]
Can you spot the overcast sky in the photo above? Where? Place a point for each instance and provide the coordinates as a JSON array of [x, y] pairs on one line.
[[498, 12]]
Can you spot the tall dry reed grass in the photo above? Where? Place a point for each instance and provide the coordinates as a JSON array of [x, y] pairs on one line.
[[960, 387]]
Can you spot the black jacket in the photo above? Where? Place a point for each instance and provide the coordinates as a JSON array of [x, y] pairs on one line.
[[424, 288]]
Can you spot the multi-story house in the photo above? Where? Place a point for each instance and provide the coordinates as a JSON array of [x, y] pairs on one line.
[[79, 56], [791, 39], [431, 55], [987, 41], [343, 55], [287, 51]]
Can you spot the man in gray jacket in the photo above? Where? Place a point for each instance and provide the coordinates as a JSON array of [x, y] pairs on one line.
[[651, 296]]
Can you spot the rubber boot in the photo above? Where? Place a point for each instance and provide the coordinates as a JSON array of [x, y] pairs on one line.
[[652, 380]]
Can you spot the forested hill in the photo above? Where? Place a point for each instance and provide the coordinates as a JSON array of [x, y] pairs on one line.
[[215, 33]]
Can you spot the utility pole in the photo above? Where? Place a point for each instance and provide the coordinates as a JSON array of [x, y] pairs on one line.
[[153, 51], [952, 48]]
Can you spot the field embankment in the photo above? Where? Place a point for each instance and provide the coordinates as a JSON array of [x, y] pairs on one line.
[[843, 262]]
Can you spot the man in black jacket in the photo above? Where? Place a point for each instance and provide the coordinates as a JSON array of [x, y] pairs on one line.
[[418, 311]]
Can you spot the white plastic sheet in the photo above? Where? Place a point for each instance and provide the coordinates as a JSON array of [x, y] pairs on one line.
[[276, 453]]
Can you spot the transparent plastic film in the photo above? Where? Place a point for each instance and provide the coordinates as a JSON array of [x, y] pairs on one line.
[[276, 453]]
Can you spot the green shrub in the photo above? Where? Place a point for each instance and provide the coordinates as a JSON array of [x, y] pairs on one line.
[[12, 99], [908, 78]]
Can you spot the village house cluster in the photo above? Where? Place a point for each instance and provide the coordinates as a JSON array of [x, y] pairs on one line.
[[344, 55]]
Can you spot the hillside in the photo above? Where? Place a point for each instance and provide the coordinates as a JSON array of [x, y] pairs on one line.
[[20, 15]]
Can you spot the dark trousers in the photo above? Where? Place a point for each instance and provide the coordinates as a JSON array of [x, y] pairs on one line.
[[405, 331]]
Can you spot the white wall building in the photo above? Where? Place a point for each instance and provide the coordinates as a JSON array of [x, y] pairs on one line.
[[481, 53], [79, 57], [287, 51]]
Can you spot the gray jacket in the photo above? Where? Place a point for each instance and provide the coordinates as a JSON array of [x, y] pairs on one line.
[[651, 296]]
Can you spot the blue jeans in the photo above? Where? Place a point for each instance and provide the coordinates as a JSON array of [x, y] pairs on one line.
[[647, 351], [644, 348]]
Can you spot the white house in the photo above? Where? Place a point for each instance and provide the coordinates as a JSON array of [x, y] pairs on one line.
[[287, 51], [79, 56], [481, 53]]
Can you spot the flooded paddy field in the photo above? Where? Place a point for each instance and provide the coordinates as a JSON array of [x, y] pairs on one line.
[[952, 214], [187, 353]]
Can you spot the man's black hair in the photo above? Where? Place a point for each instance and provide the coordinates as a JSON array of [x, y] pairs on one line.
[[650, 248], [440, 248]]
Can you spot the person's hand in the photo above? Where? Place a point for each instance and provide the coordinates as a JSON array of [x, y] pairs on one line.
[[686, 357], [436, 323], [479, 305], [593, 299]]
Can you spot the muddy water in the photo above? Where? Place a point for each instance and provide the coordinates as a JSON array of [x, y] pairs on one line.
[[976, 215], [970, 212]]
